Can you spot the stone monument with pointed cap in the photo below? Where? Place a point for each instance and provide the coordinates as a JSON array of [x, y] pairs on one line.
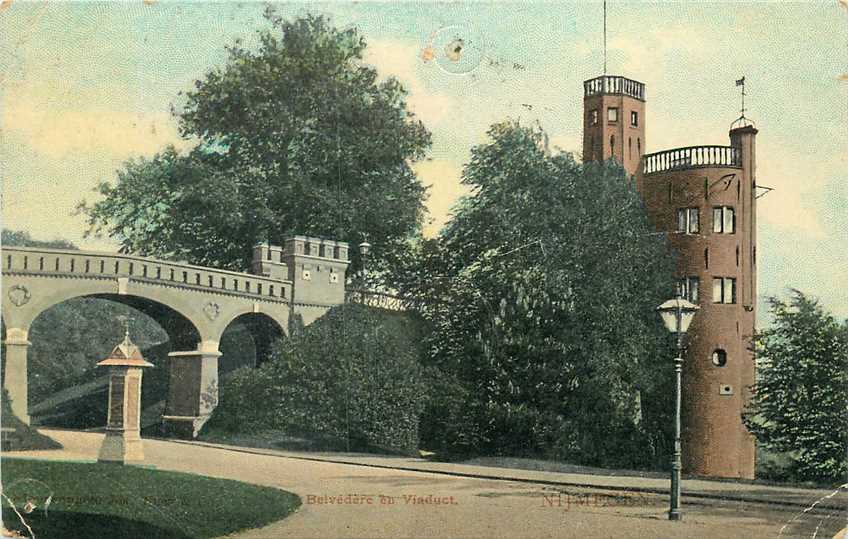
[[122, 443]]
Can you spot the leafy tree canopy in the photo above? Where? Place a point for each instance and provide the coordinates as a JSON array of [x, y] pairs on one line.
[[799, 403], [542, 292], [296, 137]]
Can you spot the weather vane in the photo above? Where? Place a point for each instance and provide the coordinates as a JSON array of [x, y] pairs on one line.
[[125, 319], [742, 121], [741, 82]]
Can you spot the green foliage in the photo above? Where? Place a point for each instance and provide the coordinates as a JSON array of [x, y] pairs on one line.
[[799, 403], [134, 502], [352, 379], [20, 238], [297, 137], [541, 292]]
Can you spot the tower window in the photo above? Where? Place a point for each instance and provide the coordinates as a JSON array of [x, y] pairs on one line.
[[719, 357], [707, 258], [593, 117], [634, 118], [612, 114], [689, 288], [724, 290], [724, 220], [687, 220], [629, 148], [612, 145], [639, 146]]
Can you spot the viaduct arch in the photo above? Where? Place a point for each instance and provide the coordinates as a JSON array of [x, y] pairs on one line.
[[193, 304]]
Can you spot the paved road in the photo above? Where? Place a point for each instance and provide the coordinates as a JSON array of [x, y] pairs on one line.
[[350, 501], [800, 498]]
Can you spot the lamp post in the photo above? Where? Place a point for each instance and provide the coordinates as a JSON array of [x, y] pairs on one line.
[[364, 251], [677, 314]]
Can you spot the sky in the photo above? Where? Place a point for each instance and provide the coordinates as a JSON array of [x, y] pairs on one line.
[[85, 86]]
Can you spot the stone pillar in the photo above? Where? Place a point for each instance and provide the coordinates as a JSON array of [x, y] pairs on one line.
[[192, 390], [122, 443], [15, 377]]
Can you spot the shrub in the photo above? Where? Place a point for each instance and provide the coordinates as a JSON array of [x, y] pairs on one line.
[[352, 378]]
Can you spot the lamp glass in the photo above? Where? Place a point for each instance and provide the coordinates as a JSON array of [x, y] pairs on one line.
[[686, 317], [669, 318], [668, 312]]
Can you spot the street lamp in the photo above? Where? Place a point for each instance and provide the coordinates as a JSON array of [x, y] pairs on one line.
[[677, 314], [364, 251]]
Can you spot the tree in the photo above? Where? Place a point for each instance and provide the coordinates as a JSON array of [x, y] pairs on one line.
[[799, 403], [21, 238], [541, 292], [297, 137]]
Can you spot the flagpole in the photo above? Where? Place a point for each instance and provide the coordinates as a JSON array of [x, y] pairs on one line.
[[605, 37]]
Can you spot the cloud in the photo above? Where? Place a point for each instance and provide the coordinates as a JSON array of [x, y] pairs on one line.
[[799, 182], [568, 143], [401, 59], [56, 132], [442, 177]]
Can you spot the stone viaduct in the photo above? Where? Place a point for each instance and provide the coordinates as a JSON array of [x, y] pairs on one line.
[[193, 304]]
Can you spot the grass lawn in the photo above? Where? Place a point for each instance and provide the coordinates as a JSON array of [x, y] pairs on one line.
[[109, 500]]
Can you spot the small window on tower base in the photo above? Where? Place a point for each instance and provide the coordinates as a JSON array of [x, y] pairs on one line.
[[719, 357], [612, 114], [634, 118]]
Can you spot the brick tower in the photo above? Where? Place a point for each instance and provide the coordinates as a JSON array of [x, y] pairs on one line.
[[614, 121], [703, 198]]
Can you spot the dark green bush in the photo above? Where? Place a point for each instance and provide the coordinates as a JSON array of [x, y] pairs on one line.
[[352, 379]]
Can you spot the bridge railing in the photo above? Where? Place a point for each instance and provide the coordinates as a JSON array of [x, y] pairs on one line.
[[379, 299], [107, 265]]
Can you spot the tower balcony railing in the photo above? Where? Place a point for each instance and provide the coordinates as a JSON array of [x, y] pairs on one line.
[[615, 85], [691, 157]]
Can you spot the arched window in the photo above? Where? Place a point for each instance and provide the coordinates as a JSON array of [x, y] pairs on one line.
[[629, 148], [612, 145], [719, 357], [639, 146]]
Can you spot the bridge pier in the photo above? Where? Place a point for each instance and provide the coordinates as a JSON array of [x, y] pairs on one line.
[[15, 375], [192, 389]]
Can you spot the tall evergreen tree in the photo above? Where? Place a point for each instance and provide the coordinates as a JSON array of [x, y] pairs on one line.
[[800, 404]]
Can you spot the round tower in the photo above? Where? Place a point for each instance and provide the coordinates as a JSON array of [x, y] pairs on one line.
[[703, 197]]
